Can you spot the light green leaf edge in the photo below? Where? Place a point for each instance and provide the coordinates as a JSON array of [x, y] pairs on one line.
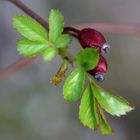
[[105, 128], [56, 24], [114, 105], [30, 48], [88, 112], [49, 54], [74, 85], [30, 28]]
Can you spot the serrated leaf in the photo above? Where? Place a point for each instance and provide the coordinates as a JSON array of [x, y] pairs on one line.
[[114, 105], [63, 41], [56, 23], [30, 28], [87, 114], [105, 128], [30, 48], [74, 85], [49, 54], [88, 58]]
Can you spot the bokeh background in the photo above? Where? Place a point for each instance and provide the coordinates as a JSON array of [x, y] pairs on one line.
[[33, 109]]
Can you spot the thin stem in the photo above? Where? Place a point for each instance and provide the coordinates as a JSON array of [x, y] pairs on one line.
[[71, 29], [10, 70], [73, 34]]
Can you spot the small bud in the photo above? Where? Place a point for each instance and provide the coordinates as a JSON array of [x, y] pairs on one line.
[[60, 74], [100, 70], [91, 38], [99, 77]]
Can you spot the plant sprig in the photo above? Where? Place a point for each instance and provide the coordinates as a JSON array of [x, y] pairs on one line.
[[48, 44]]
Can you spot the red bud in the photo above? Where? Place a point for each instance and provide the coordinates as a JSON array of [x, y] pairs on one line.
[[91, 38], [100, 69]]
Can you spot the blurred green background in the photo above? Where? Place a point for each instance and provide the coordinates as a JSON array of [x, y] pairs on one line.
[[33, 109]]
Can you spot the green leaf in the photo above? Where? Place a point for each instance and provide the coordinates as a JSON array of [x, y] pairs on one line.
[[74, 85], [88, 58], [56, 23], [105, 129], [30, 28], [49, 54], [88, 113], [30, 48], [114, 105], [63, 41]]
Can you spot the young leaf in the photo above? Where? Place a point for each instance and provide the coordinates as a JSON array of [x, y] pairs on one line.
[[30, 48], [49, 54], [114, 105], [30, 28], [87, 114], [60, 74], [105, 129], [56, 23], [63, 41], [88, 58], [74, 85]]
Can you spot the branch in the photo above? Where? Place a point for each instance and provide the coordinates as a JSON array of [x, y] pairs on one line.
[[13, 68], [30, 12]]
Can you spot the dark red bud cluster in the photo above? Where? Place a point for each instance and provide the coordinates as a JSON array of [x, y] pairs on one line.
[[90, 38]]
